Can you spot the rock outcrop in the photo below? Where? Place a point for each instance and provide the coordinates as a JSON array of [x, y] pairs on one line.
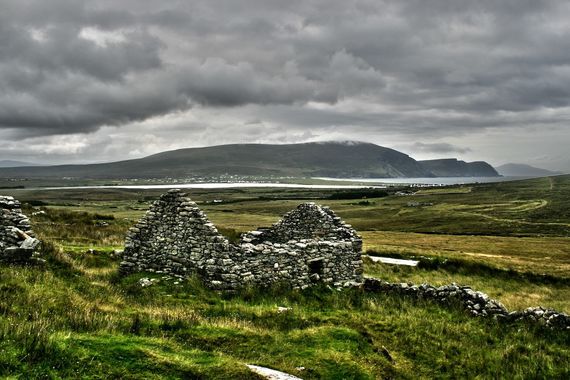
[[309, 245], [17, 241]]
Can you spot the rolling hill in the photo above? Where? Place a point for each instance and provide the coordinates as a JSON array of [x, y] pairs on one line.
[[14, 164], [523, 170], [326, 159]]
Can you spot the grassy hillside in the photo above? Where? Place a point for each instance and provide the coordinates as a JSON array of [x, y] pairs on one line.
[[521, 208], [74, 317]]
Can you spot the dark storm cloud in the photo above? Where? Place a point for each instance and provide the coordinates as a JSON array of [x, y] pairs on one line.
[[412, 67]]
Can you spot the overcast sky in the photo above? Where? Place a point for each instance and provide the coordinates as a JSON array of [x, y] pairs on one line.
[[108, 80]]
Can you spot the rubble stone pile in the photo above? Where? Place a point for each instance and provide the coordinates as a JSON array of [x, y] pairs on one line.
[[17, 241], [476, 303], [309, 245]]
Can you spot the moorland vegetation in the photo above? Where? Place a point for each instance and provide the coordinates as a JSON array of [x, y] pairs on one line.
[[74, 316]]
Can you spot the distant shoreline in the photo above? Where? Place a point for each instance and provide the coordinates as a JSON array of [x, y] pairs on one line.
[[216, 185]]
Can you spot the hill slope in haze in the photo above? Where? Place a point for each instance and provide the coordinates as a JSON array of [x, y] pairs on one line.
[[523, 170], [323, 159], [452, 167], [14, 164]]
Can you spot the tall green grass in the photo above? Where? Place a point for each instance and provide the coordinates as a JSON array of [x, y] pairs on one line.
[[75, 317]]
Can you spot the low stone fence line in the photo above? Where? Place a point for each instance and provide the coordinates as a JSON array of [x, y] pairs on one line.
[[476, 303]]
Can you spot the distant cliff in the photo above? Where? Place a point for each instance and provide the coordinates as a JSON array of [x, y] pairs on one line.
[[452, 167]]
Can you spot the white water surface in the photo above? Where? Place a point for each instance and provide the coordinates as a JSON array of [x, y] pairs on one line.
[[389, 260], [442, 181], [220, 185]]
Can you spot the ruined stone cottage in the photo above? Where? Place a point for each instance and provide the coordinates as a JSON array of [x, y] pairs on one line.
[[17, 242], [309, 245]]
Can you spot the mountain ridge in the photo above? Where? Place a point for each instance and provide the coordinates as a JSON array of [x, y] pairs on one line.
[[340, 159]]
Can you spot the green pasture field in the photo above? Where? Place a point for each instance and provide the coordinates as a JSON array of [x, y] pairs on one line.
[[75, 317]]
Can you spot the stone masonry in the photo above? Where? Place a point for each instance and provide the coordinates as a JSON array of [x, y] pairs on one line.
[[309, 245], [17, 242]]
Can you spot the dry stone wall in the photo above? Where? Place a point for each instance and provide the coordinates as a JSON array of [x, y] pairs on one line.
[[309, 245], [17, 242], [476, 303]]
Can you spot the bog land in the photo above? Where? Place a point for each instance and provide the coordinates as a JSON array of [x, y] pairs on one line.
[[75, 317]]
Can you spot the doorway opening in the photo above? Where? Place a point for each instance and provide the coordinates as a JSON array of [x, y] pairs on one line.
[[316, 269]]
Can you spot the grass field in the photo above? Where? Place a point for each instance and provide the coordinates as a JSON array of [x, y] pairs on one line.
[[74, 317]]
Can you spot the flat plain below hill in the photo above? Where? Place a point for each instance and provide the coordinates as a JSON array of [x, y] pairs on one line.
[[74, 317]]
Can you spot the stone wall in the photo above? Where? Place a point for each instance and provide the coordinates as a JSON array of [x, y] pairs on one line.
[[17, 242], [173, 237], [476, 303], [309, 245]]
